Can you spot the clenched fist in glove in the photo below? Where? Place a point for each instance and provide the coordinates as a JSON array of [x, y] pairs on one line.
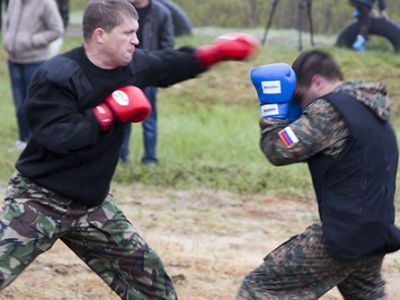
[[124, 104], [275, 84], [233, 46]]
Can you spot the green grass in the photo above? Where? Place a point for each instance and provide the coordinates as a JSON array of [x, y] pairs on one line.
[[397, 265], [208, 127]]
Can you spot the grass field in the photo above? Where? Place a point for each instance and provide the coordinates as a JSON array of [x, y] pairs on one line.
[[214, 205], [208, 127]]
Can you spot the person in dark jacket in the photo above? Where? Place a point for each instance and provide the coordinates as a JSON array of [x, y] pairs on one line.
[[156, 32], [78, 106], [63, 8], [364, 9], [2, 8], [345, 136]]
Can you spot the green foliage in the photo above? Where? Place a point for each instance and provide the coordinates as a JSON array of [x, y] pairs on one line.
[[397, 265], [329, 16], [212, 145], [77, 5]]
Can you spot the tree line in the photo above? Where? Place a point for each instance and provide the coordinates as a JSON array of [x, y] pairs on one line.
[[329, 16]]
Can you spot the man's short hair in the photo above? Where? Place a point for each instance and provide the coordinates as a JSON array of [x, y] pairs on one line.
[[313, 62], [106, 14]]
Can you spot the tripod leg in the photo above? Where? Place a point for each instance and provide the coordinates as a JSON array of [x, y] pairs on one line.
[[310, 21], [268, 24], [300, 23]]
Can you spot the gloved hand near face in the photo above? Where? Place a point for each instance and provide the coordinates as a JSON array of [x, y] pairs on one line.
[[275, 84]]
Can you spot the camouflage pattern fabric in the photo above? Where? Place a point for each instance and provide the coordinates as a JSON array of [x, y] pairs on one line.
[[33, 218], [321, 129], [302, 269], [373, 95]]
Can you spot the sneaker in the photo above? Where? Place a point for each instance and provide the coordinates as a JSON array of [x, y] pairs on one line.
[[18, 147], [356, 14], [359, 44]]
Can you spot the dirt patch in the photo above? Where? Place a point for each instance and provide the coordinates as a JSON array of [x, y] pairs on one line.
[[208, 241]]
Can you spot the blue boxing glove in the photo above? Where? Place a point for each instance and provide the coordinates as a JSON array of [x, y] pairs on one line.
[[275, 84]]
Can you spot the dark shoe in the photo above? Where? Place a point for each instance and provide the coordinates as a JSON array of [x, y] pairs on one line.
[[149, 161], [123, 161]]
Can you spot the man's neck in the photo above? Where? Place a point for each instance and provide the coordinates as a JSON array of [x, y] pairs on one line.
[[328, 88], [331, 86], [95, 58], [142, 4]]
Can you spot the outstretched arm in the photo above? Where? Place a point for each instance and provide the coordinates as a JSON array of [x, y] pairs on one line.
[[168, 66]]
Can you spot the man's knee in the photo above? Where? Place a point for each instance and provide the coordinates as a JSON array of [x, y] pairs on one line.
[[253, 289]]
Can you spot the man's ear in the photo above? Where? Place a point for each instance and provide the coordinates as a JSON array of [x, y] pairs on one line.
[[98, 35], [318, 81]]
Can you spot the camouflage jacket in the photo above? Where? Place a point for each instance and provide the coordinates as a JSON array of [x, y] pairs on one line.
[[320, 128]]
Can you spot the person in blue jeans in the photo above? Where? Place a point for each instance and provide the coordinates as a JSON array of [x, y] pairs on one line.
[[20, 76], [364, 10], [149, 132], [28, 29], [156, 32]]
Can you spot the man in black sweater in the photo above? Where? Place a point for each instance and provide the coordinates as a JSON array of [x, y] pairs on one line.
[[78, 108]]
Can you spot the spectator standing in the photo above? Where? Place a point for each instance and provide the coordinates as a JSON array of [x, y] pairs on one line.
[[63, 8], [2, 7], [364, 9], [156, 32], [28, 29]]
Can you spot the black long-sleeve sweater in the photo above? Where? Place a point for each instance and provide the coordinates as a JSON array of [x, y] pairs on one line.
[[67, 152]]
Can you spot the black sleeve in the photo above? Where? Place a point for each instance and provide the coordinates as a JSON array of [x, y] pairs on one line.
[[166, 31], [165, 67], [55, 119], [63, 8]]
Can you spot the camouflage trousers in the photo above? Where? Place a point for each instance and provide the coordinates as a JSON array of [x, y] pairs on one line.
[[301, 268], [33, 218]]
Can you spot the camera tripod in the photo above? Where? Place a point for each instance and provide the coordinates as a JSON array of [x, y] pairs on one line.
[[304, 6]]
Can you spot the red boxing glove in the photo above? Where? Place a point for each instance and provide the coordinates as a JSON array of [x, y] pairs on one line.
[[124, 104], [233, 46], [104, 116]]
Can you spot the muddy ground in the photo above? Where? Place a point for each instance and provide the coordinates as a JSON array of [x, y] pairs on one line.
[[208, 240]]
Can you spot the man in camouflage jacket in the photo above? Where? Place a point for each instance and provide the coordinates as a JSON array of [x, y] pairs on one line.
[[345, 137]]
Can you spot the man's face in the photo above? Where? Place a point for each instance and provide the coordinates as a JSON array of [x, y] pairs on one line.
[[119, 43]]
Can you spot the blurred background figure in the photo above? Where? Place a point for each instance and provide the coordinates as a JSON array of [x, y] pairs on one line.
[[29, 26], [63, 8], [156, 31], [3, 6], [364, 11]]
